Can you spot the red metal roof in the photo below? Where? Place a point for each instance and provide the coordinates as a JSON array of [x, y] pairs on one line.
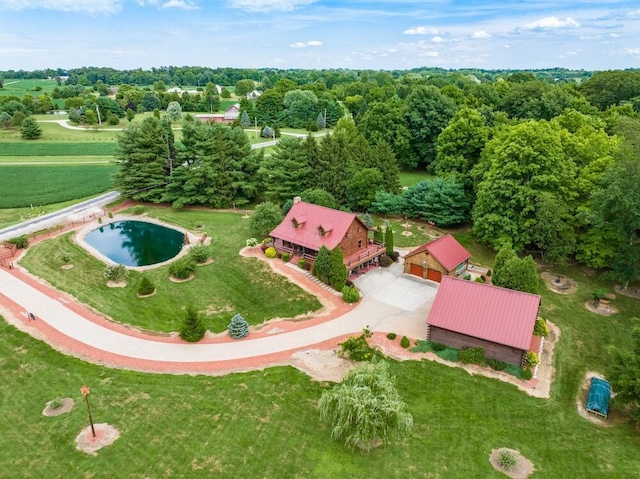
[[333, 222], [499, 315], [446, 250]]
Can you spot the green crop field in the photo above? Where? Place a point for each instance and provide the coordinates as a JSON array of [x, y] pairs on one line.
[[26, 185], [37, 148], [17, 87]]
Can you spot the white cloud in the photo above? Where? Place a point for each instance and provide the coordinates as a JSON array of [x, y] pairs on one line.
[[269, 5], [550, 23], [180, 5], [93, 7], [506, 45], [392, 50], [632, 51], [421, 31], [614, 35], [437, 39], [480, 34], [430, 54], [312, 43]]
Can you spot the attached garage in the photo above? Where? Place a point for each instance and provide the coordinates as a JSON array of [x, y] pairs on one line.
[[434, 275], [417, 270]]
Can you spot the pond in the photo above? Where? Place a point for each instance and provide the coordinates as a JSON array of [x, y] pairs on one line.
[[136, 243]]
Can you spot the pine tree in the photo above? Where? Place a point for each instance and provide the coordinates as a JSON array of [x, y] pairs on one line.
[[338, 273], [238, 327], [30, 129], [322, 265], [245, 121], [192, 329], [388, 239]]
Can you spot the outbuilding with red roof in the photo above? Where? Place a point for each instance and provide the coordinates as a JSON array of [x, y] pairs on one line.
[[467, 314], [443, 256], [308, 227]]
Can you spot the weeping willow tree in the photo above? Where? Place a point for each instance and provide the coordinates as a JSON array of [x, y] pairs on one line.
[[366, 409]]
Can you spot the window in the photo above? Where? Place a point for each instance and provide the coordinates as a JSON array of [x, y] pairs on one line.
[[359, 244]]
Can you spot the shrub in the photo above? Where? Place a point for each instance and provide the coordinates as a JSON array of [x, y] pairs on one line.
[[488, 273], [21, 242], [385, 261], [252, 242], [471, 355], [541, 328], [99, 220], [56, 403], [182, 268], [110, 214], [395, 255], [527, 374], [192, 329], [404, 342], [597, 295], [238, 327], [392, 336], [63, 257], [479, 280], [507, 460], [350, 294], [145, 286], [438, 346], [270, 252], [137, 210], [482, 276], [286, 257], [496, 364], [200, 253], [358, 349], [116, 272], [467, 277], [348, 282], [302, 263], [448, 354], [531, 359]]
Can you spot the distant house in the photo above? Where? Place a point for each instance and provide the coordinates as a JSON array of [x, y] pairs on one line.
[[308, 227], [175, 89], [229, 116], [466, 314], [441, 257], [252, 95]]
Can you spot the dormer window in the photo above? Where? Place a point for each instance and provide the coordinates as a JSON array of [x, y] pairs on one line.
[[298, 221], [325, 229]]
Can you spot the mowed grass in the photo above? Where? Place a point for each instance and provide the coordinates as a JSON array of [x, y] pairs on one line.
[[265, 424], [42, 148], [26, 185], [231, 284], [18, 87], [11, 216], [53, 132], [412, 177]]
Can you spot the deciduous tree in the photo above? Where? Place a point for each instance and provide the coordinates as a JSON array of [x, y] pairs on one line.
[[265, 218]]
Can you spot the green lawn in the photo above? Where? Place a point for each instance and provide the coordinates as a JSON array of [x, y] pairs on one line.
[[231, 284], [67, 160], [26, 185], [18, 87], [44, 148], [53, 132], [11, 216], [410, 178], [265, 424]]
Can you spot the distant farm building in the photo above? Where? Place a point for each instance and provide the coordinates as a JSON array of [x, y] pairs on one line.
[[230, 115], [441, 257]]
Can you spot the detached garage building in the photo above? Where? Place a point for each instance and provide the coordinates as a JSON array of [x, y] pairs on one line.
[[466, 314], [441, 257]]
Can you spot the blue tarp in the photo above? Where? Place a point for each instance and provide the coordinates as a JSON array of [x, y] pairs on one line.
[[599, 395]]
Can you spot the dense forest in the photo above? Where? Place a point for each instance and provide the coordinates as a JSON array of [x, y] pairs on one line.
[[548, 161]]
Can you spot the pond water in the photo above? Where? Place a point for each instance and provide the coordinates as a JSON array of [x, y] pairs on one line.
[[136, 243]]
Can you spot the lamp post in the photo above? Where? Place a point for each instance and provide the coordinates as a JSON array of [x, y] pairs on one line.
[[84, 390]]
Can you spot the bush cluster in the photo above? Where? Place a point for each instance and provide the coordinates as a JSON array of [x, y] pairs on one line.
[[21, 242], [439, 346], [471, 355], [358, 349], [182, 268], [286, 257], [404, 342], [145, 286], [479, 280], [496, 364], [200, 253], [392, 336], [531, 359], [252, 242], [116, 272], [385, 261], [541, 328], [137, 210], [350, 294], [394, 255], [270, 252]]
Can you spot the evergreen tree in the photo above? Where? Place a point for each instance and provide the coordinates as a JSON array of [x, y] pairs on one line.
[[518, 274], [322, 265], [338, 271], [29, 130], [388, 239], [285, 173], [624, 372], [193, 328], [238, 327], [245, 121], [367, 220], [146, 155], [319, 197]]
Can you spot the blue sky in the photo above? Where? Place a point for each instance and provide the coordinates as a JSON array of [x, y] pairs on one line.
[[376, 34]]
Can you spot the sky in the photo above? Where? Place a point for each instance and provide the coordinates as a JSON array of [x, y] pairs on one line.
[[355, 34]]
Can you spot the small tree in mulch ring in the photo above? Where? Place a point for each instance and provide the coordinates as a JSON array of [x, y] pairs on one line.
[[192, 329], [145, 286], [507, 460], [238, 327], [598, 295]]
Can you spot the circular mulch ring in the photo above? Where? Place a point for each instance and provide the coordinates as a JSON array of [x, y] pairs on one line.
[[209, 261], [105, 436], [607, 310], [146, 295], [523, 468], [116, 284], [630, 292], [581, 400], [178, 280], [564, 286], [67, 266], [406, 233], [67, 405]]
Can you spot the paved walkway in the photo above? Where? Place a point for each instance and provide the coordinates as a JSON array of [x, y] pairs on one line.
[[76, 330]]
